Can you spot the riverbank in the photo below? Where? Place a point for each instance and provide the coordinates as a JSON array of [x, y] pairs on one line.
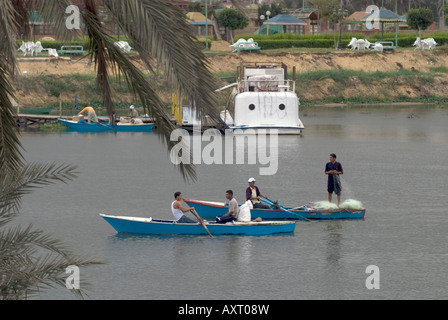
[[335, 78]]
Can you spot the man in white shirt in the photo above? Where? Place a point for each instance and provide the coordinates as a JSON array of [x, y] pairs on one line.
[[178, 210]]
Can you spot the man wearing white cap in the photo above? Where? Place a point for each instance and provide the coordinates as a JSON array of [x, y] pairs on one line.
[[253, 194], [133, 113]]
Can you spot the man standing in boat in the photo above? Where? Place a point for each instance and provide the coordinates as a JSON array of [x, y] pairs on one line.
[[91, 114], [253, 194], [178, 210], [333, 169]]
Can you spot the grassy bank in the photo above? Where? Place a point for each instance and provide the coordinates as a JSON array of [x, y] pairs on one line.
[[313, 87], [359, 87]]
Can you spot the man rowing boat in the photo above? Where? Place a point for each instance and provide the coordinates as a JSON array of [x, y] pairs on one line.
[[178, 210], [253, 194]]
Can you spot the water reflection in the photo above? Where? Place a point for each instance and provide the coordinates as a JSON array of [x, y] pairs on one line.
[[333, 242], [407, 124]]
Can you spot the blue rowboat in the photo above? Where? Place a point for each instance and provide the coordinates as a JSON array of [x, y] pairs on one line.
[[171, 227], [213, 209], [84, 126]]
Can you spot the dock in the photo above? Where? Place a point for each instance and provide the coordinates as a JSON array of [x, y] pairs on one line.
[[31, 120], [205, 124]]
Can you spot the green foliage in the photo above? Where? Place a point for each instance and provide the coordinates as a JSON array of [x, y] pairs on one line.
[[420, 18], [232, 19], [275, 9], [194, 7], [326, 40]]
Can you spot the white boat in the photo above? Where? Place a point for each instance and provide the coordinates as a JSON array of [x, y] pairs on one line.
[[264, 101]]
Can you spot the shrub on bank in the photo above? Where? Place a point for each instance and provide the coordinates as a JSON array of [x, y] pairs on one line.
[[85, 43], [328, 40]]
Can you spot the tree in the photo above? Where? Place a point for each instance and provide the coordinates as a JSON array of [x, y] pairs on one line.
[[445, 11], [420, 19], [292, 3], [159, 32], [194, 7], [232, 19], [274, 9], [325, 9]]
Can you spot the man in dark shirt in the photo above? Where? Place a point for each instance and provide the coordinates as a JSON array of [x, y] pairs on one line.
[[253, 194], [333, 169]]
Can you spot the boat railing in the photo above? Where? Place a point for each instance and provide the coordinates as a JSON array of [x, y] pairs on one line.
[[265, 85]]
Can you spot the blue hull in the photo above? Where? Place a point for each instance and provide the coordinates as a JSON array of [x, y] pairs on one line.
[[169, 227], [214, 209], [84, 126]]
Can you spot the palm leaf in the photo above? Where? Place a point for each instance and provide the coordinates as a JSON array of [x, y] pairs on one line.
[[159, 31], [10, 147], [109, 60], [31, 260], [14, 186]]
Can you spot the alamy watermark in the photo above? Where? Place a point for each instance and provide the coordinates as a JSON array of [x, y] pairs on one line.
[[73, 280], [73, 21], [374, 21], [234, 147], [373, 280]]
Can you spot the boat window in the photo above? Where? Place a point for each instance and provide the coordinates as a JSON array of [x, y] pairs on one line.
[[282, 107], [252, 107]]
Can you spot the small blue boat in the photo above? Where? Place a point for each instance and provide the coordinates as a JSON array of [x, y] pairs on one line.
[[213, 209], [171, 227], [84, 126]]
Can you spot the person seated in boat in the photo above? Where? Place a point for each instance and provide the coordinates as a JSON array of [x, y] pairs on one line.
[[131, 117], [91, 114], [133, 113], [234, 210], [178, 210], [253, 194]]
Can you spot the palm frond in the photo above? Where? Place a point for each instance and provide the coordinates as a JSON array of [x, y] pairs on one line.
[[159, 31], [8, 27], [31, 260], [10, 147], [14, 186], [54, 11], [240, 7], [110, 60]]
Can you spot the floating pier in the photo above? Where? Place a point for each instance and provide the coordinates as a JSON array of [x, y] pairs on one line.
[[30, 120]]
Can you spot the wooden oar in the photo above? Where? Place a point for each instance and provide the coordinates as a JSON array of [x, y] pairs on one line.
[[104, 125], [201, 221], [276, 204], [286, 210]]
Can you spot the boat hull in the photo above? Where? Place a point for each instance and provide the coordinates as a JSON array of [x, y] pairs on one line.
[[245, 130], [170, 227], [134, 128], [84, 126], [213, 209]]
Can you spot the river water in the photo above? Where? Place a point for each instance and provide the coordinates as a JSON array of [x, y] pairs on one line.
[[394, 161]]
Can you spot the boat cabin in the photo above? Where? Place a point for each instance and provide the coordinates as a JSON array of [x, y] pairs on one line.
[[264, 98], [264, 77]]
